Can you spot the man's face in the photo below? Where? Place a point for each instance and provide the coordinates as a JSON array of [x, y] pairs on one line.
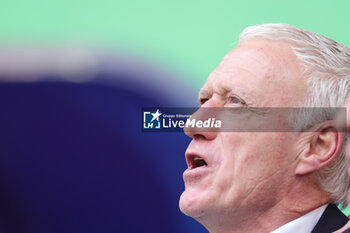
[[245, 171]]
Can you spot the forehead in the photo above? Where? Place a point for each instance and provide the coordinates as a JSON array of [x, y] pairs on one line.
[[260, 69]]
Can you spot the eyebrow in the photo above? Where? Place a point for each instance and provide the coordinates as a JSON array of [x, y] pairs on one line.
[[220, 90], [224, 90]]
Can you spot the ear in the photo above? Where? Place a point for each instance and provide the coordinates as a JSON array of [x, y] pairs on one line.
[[319, 147]]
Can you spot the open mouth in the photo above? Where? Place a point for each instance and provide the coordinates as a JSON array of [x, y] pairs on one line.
[[195, 161]]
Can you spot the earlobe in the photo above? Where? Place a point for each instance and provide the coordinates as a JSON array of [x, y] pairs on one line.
[[319, 148]]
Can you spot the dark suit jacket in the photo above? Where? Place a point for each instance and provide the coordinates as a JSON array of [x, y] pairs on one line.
[[331, 220]]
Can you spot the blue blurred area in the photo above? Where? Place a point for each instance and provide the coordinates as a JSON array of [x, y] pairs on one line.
[[73, 157]]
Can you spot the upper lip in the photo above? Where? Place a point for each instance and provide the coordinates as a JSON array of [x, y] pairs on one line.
[[190, 159]]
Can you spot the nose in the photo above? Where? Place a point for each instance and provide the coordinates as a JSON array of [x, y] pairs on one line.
[[204, 115]]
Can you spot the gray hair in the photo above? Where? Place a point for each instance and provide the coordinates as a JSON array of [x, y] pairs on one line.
[[327, 68]]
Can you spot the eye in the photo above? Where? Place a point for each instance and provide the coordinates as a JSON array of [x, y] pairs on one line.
[[235, 100], [203, 100]]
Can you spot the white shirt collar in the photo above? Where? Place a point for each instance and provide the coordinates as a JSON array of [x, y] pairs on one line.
[[303, 224]]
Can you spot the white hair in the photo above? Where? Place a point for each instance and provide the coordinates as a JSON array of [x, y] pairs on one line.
[[327, 68]]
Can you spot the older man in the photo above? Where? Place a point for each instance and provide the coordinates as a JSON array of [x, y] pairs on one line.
[[273, 181]]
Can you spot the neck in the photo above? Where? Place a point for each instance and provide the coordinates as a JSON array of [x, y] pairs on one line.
[[299, 200]]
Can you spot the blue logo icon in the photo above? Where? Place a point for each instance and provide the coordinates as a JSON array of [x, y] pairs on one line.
[[151, 119]]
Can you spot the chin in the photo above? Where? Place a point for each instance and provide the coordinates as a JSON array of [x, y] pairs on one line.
[[192, 204]]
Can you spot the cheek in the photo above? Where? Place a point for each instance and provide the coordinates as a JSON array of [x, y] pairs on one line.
[[254, 155], [248, 161], [235, 166]]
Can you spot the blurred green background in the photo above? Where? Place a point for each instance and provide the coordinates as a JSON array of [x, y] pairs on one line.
[[188, 38]]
